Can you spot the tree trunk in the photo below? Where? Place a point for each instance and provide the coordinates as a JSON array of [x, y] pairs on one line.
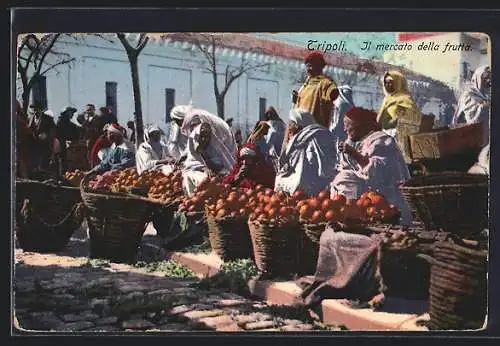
[[139, 125], [220, 106], [26, 100]]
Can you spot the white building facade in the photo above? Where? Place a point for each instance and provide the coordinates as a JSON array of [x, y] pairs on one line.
[[171, 72]]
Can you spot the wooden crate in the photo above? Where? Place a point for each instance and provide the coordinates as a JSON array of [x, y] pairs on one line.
[[446, 142], [409, 122]]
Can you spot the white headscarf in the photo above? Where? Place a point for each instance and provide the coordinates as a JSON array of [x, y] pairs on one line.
[[476, 83], [179, 112], [471, 108], [150, 129], [222, 140]]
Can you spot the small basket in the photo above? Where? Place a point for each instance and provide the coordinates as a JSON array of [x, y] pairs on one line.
[[230, 237], [458, 288], [116, 223], [275, 248], [307, 254], [453, 202], [47, 214]]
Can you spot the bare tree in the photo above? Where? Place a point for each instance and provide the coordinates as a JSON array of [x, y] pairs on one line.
[[207, 45], [35, 57], [133, 53]]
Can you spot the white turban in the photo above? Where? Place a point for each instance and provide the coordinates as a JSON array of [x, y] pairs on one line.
[[180, 112], [247, 152], [150, 129]]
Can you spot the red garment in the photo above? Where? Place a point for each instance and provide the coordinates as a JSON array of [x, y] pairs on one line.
[[315, 56], [364, 117], [261, 173], [101, 143]]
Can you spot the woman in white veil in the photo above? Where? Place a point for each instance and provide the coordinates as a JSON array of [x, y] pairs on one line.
[[211, 148]]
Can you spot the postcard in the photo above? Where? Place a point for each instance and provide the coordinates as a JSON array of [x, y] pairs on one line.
[[253, 182]]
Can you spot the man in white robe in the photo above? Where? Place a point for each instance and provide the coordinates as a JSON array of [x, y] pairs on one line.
[[474, 103], [377, 163], [308, 161], [211, 148], [153, 152]]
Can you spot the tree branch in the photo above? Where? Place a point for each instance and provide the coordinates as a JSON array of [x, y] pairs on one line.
[[57, 64], [143, 40], [44, 54], [238, 74], [125, 43]]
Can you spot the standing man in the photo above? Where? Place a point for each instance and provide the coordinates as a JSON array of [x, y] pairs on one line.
[[66, 130], [318, 92], [44, 131], [106, 116], [91, 123]]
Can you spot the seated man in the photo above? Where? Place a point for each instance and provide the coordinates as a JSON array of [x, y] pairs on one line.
[[120, 155], [377, 162], [308, 159], [152, 153], [251, 169]]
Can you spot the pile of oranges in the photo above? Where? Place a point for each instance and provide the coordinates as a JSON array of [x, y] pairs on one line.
[[166, 188], [370, 207], [157, 186], [74, 177]]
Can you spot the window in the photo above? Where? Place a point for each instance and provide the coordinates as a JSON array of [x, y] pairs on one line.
[[39, 92], [169, 103], [262, 108], [111, 97]]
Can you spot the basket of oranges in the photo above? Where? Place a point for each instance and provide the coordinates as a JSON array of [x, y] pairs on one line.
[[116, 217], [274, 231], [227, 220]]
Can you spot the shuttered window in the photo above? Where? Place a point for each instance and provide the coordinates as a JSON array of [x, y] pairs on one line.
[[169, 103]]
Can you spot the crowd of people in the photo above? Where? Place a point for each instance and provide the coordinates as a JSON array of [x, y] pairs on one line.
[[327, 143]]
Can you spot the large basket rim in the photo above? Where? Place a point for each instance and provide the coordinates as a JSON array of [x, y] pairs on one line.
[[480, 181], [37, 182]]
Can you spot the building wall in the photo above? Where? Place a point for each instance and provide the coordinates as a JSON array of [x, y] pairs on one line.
[[445, 66], [165, 66]]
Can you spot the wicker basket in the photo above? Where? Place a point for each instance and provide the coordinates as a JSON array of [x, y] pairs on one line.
[[116, 223], [275, 248], [458, 297], [229, 237], [47, 214], [454, 202], [309, 247]]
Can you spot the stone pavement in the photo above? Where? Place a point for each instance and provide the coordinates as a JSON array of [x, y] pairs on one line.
[[68, 293]]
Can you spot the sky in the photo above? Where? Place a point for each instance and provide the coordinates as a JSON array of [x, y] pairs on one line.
[[353, 40]]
